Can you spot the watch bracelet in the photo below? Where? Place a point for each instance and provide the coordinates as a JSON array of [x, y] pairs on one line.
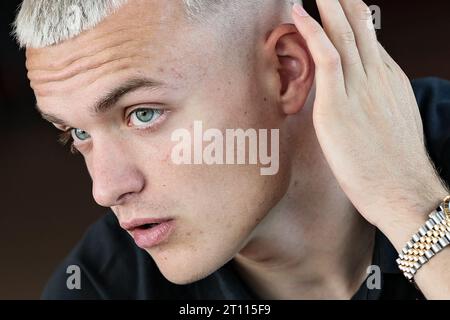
[[431, 238]]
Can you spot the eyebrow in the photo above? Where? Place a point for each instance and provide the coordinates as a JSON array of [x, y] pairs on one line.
[[107, 102]]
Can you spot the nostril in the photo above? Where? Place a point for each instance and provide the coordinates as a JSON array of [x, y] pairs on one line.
[[123, 197]]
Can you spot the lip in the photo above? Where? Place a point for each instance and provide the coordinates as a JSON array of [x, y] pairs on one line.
[[133, 224], [151, 237]]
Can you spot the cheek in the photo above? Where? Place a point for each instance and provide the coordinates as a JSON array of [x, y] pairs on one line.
[[165, 157], [228, 201], [154, 153]]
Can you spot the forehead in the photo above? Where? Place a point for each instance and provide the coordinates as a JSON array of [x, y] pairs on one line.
[[142, 35]]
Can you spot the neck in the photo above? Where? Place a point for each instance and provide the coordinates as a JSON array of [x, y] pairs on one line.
[[313, 244]]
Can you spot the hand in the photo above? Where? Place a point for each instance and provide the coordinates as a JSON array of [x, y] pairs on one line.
[[366, 117]]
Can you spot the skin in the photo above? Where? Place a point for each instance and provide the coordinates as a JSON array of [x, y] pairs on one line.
[[217, 209], [372, 100], [274, 227]]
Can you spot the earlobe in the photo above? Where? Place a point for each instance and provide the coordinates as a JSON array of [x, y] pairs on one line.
[[295, 67]]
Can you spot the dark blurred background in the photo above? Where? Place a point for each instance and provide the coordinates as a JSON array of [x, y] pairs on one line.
[[45, 192]]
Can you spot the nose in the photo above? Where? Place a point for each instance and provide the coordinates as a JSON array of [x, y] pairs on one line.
[[114, 175]]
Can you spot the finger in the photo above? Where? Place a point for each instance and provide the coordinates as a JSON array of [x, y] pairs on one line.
[[329, 73], [360, 17], [397, 73], [343, 38], [386, 57]]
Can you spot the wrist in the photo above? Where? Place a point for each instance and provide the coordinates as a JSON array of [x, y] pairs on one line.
[[407, 216]]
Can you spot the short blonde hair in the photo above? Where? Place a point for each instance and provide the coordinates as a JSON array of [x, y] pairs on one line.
[[42, 23]]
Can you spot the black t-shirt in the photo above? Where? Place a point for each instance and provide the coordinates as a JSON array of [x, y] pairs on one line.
[[113, 267]]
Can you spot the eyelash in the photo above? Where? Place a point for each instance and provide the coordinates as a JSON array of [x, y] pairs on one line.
[[65, 138]]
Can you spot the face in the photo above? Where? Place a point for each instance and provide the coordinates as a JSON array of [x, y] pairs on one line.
[[165, 74]]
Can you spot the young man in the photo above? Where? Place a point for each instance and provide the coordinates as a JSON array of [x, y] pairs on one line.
[[121, 77]]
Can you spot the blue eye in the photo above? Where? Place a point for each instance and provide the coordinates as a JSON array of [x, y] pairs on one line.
[[79, 134], [142, 117]]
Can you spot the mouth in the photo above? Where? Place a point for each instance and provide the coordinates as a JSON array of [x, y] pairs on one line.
[[148, 226], [149, 234]]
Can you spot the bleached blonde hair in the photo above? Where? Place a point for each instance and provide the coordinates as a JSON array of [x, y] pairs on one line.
[[42, 23]]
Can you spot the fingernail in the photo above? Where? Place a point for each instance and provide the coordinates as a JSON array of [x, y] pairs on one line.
[[298, 9]]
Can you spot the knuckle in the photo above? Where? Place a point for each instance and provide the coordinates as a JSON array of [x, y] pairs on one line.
[[315, 30], [348, 37], [395, 68], [364, 10], [331, 59]]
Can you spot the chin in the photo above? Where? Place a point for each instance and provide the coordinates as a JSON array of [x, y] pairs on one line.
[[182, 271], [183, 277]]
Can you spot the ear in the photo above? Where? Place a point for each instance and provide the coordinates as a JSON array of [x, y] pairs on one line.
[[293, 64]]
